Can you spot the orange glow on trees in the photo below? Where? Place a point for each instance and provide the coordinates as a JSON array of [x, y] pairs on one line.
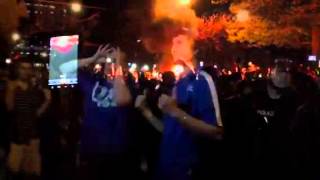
[[242, 15], [185, 2], [257, 23]]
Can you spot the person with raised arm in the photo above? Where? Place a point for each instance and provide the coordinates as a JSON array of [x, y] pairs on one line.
[[104, 142]]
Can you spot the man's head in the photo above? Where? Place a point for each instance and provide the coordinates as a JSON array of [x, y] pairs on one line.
[[182, 51], [24, 69], [280, 74]]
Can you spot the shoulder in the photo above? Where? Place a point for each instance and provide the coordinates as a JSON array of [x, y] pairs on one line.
[[203, 81]]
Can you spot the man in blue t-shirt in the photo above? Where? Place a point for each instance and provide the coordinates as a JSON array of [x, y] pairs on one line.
[[191, 113], [104, 147]]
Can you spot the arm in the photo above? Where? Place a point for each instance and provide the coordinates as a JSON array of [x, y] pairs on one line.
[[10, 95], [121, 91], [99, 56], [198, 126], [44, 106], [73, 65], [147, 113]]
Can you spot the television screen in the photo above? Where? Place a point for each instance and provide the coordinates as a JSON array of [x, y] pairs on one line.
[[63, 63]]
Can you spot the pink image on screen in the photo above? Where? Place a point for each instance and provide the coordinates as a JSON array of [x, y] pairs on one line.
[[64, 44]]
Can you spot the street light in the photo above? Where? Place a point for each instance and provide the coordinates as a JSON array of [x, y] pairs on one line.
[[15, 36], [243, 15], [76, 7], [109, 60], [44, 54], [185, 2], [8, 61]]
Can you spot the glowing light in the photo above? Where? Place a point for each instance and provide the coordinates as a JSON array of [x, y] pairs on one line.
[[155, 74], [185, 2], [97, 68], [108, 60], [145, 68], [38, 65], [243, 15], [15, 36], [76, 7], [8, 61], [133, 68], [178, 69], [201, 63], [229, 72], [250, 63], [44, 54], [134, 65], [215, 66]]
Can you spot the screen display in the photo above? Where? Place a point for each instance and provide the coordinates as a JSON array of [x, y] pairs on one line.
[[312, 58], [63, 60]]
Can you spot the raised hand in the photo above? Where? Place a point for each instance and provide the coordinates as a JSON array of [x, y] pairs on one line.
[[103, 52]]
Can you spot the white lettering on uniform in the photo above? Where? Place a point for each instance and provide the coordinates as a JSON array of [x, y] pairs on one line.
[[103, 96]]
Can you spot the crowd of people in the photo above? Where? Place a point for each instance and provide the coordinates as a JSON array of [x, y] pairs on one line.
[[195, 126]]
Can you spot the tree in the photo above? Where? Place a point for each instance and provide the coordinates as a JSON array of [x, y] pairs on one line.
[[283, 23]]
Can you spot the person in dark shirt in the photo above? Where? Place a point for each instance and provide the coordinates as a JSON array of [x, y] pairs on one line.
[[273, 107], [23, 101]]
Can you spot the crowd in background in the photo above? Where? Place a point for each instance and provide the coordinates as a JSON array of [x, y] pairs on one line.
[[270, 125]]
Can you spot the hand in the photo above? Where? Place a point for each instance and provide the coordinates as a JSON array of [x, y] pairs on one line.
[[103, 52], [47, 94], [140, 102], [167, 104]]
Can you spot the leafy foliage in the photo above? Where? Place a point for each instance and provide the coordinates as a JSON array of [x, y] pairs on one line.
[[270, 22]]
